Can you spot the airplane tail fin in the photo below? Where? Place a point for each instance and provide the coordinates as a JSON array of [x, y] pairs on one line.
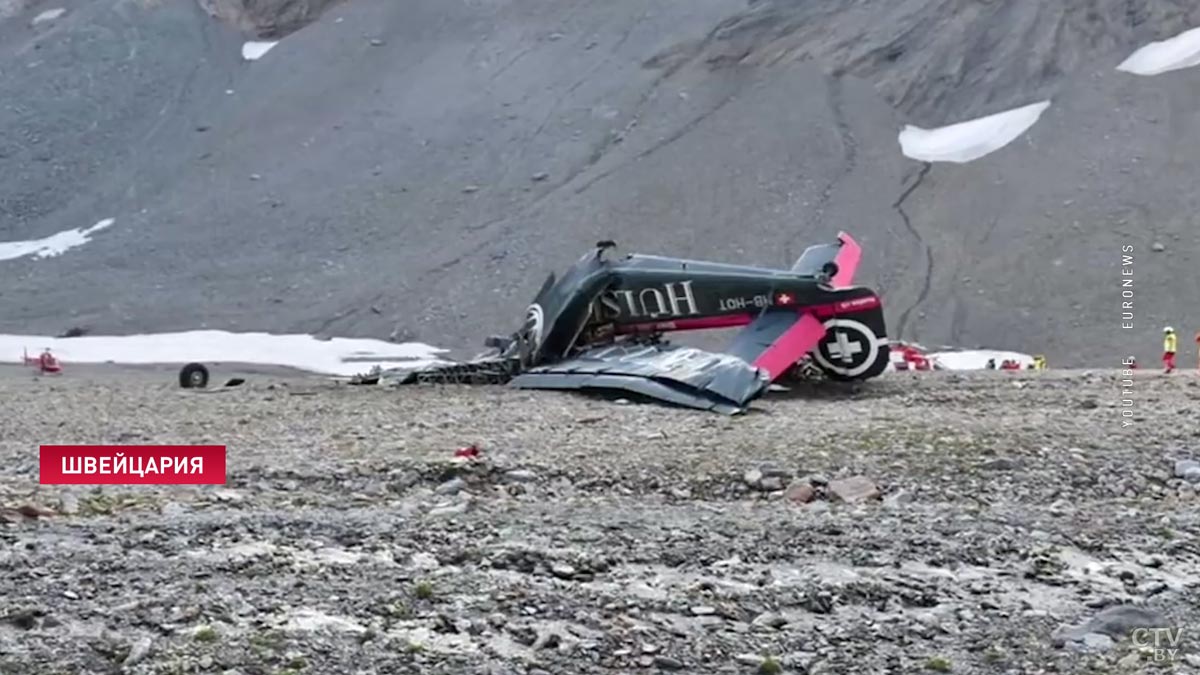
[[835, 263]]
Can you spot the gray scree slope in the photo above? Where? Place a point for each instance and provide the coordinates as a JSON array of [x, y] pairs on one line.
[[373, 175]]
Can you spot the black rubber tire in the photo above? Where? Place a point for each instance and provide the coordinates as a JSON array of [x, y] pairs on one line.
[[193, 376]]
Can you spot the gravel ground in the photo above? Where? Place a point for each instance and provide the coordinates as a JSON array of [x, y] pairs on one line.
[[986, 523]]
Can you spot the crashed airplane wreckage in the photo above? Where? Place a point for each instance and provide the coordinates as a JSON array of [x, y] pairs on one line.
[[600, 327]]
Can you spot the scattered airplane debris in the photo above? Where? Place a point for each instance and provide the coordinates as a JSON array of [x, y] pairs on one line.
[[600, 327], [193, 376], [370, 377], [196, 376], [468, 452]]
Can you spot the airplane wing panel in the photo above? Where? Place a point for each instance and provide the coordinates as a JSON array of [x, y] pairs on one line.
[[682, 375], [777, 339]]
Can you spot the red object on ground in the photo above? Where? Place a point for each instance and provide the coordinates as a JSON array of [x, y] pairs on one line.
[[916, 358], [48, 363], [45, 362], [470, 451], [911, 358]]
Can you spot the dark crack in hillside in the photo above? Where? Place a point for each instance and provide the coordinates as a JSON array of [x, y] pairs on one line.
[[927, 280]]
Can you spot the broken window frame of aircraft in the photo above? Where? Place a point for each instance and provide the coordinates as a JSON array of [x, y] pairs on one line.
[[600, 326]]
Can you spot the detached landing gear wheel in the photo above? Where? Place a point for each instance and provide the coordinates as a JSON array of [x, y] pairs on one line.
[[529, 338], [193, 376]]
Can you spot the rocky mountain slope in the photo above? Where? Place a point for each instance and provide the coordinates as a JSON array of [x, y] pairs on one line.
[[416, 168]]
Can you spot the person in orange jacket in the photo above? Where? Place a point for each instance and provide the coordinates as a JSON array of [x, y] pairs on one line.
[[1169, 344]]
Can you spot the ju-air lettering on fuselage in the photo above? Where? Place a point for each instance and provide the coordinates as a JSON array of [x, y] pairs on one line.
[[668, 301]]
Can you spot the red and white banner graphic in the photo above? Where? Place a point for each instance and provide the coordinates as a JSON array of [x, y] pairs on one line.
[[132, 465]]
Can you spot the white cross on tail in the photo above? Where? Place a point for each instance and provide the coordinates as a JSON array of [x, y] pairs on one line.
[[844, 350]]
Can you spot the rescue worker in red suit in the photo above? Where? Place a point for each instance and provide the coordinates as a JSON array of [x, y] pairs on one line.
[[1170, 342]]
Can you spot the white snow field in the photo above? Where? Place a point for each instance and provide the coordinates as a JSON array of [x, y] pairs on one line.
[[337, 356], [341, 357], [968, 141], [976, 359], [55, 244], [1181, 51], [963, 359]]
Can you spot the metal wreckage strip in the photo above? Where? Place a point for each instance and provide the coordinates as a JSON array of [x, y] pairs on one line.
[[670, 373], [491, 371], [653, 388], [723, 382], [675, 373]]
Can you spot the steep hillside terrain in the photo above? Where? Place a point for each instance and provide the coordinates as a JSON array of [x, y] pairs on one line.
[[416, 168]]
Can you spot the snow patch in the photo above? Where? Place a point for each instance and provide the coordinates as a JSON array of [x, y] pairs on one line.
[[1181, 51], [48, 15], [242, 552], [55, 244], [424, 637], [424, 561], [253, 51], [976, 359], [310, 620], [970, 140], [1110, 574], [327, 556], [337, 356]]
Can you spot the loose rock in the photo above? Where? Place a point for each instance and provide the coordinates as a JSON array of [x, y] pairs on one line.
[[138, 652], [800, 492], [1188, 469], [854, 489]]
